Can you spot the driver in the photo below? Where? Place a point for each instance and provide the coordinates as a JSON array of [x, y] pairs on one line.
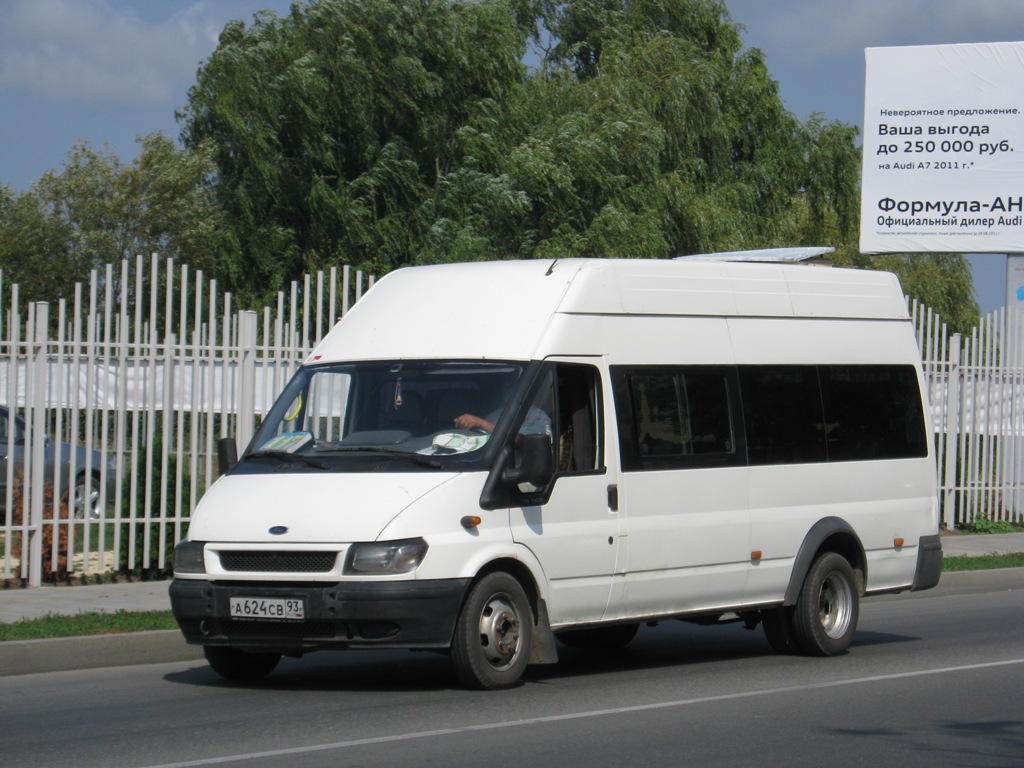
[[537, 422]]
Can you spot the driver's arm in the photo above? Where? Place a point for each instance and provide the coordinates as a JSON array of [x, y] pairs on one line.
[[469, 421]]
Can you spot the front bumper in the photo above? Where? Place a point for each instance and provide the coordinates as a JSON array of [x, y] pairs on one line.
[[408, 614]]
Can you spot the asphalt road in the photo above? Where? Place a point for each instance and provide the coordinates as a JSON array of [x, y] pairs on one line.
[[932, 680]]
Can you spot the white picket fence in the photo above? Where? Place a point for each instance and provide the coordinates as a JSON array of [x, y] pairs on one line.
[[977, 397], [150, 365], [148, 368]]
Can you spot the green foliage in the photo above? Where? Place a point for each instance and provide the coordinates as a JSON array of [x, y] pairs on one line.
[[982, 524], [388, 133], [81, 624], [336, 127], [982, 562], [383, 133], [97, 210]]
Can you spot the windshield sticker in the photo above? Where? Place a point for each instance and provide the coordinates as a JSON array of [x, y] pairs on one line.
[[450, 442], [289, 442]]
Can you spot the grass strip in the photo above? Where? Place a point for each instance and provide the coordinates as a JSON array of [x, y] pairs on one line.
[[79, 624], [982, 562]]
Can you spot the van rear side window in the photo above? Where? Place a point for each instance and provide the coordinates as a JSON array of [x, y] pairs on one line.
[[807, 414], [672, 417], [874, 411]]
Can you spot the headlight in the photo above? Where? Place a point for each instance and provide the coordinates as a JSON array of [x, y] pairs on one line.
[[386, 556], [188, 557]]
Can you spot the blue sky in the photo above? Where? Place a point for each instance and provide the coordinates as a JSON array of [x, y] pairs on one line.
[[108, 71]]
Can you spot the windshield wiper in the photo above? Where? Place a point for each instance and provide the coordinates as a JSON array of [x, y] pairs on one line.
[[294, 458], [417, 458]]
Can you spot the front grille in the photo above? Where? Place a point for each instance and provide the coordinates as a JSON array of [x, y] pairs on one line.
[[278, 562]]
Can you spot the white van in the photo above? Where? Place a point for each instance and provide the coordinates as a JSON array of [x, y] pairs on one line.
[[481, 458]]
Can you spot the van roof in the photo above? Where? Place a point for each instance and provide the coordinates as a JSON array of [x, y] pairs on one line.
[[501, 309]]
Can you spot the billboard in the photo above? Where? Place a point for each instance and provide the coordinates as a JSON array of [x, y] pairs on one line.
[[943, 167]]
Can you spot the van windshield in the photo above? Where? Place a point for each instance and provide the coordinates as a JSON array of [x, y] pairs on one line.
[[430, 414]]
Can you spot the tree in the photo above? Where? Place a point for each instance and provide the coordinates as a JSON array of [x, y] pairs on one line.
[[383, 133], [336, 126], [97, 210], [648, 131], [31, 246]]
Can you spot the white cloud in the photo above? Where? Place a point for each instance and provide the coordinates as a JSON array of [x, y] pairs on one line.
[[96, 52]]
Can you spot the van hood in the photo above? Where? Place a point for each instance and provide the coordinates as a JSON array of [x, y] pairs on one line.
[[314, 507]]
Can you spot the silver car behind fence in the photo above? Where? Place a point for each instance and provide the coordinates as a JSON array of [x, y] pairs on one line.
[[86, 466]]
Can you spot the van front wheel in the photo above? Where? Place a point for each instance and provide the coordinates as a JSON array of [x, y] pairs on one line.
[[491, 646], [826, 612]]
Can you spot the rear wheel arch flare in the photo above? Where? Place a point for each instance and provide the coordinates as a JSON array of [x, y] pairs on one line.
[[830, 534]]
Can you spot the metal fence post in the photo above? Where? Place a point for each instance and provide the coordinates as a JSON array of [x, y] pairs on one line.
[[247, 377], [951, 425], [35, 442]]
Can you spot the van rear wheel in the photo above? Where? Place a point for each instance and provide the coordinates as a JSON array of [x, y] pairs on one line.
[[826, 612], [236, 664], [491, 647]]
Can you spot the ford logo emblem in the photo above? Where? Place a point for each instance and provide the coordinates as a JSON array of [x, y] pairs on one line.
[[278, 530]]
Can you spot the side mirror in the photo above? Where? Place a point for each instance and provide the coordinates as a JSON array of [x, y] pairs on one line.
[[538, 463], [227, 454]]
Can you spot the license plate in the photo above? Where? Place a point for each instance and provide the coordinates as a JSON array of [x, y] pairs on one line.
[[273, 608]]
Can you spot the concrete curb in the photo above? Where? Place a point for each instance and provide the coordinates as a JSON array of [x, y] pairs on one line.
[[63, 654]]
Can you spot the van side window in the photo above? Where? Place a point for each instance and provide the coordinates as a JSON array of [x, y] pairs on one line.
[[674, 418], [578, 432], [566, 405], [783, 414], [802, 414], [874, 412]]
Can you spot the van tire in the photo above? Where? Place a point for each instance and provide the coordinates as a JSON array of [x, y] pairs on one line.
[[493, 635], [826, 611], [236, 664], [778, 629], [610, 638]]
